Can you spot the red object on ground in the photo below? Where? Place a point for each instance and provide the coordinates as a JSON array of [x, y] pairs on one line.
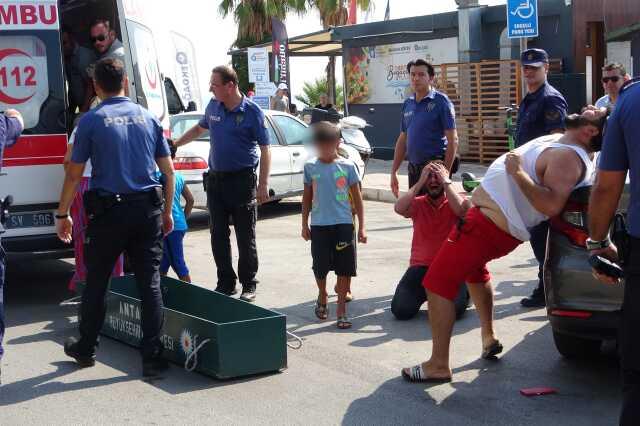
[[538, 391]]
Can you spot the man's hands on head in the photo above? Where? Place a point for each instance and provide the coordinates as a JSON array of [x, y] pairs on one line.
[[440, 171]]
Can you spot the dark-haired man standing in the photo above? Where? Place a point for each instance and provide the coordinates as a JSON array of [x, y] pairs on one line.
[[427, 129], [239, 140], [125, 208]]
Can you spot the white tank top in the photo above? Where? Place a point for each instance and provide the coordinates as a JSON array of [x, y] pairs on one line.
[[520, 214]]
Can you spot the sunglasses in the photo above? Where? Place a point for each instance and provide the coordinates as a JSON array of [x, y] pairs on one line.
[[613, 79], [101, 38]]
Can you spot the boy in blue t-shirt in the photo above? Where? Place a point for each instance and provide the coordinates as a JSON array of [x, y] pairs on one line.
[[173, 251], [329, 181]]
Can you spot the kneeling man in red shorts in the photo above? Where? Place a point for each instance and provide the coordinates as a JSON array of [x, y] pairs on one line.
[[520, 189]]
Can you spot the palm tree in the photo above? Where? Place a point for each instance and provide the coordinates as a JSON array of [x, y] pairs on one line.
[[334, 13], [254, 25], [312, 91]]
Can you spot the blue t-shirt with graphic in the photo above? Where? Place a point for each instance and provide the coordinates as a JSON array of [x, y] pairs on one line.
[[330, 183]]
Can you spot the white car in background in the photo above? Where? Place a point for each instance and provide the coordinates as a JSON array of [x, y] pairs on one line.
[[290, 150]]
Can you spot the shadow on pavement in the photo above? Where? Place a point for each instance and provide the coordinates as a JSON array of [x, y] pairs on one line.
[[587, 392]]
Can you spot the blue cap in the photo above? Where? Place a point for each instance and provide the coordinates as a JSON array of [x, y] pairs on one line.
[[534, 57]]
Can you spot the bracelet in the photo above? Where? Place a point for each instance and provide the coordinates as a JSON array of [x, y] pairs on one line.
[[598, 245], [62, 216]]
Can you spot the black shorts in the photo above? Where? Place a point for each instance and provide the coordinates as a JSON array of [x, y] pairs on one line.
[[333, 248]]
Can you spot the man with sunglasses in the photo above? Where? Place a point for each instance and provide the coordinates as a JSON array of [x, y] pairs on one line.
[[541, 112], [106, 45], [613, 77]]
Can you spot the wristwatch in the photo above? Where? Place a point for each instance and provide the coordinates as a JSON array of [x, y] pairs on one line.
[[598, 245]]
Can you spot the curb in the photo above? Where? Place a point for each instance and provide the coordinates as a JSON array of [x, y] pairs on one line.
[[380, 195]]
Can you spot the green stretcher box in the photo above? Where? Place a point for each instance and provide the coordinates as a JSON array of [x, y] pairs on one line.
[[204, 331]]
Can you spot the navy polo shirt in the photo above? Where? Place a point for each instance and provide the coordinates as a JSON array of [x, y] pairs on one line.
[[620, 148], [10, 130], [424, 123], [235, 135], [123, 140], [539, 113]]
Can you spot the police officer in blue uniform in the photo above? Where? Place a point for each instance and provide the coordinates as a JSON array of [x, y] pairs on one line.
[[427, 129], [621, 153], [541, 112], [11, 125], [239, 140], [125, 208]]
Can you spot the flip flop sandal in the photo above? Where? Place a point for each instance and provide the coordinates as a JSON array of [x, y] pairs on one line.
[[492, 350], [343, 323], [348, 298], [321, 310], [416, 374]]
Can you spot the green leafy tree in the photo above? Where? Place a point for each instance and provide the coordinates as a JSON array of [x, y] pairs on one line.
[[312, 91]]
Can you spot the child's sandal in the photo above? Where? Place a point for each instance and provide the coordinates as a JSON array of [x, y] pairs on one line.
[[343, 323], [321, 310]]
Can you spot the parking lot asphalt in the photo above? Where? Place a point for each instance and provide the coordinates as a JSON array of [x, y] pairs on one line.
[[349, 377]]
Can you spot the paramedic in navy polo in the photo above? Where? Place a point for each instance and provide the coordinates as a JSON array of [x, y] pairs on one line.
[[239, 140], [541, 112], [11, 125], [125, 208], [427, 129], [621, 154]]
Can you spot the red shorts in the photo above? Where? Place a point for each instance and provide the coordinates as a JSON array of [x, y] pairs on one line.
[[463, 257]]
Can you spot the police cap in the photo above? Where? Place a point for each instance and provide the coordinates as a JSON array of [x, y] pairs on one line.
[[534, 57]]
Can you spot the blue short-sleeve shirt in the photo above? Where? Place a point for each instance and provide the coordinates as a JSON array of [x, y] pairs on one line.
[[539, 113], [10, 130], [620, 149], [235, 135], [331, 183], [122, 140], [424, 123]]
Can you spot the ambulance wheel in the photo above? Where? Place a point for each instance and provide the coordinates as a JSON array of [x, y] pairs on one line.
[[461, 301]]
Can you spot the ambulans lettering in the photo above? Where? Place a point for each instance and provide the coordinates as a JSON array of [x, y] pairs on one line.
[[35, 15], [123, 121]]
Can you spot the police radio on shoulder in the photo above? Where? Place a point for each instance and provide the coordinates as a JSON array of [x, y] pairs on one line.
[[598, 245]]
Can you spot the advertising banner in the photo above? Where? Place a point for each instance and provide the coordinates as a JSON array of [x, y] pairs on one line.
[[185, 71], [258, 59], [378, 74], [280, 48]]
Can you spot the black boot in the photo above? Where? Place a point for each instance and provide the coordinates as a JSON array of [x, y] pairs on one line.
[[536, 300], [83, 357]]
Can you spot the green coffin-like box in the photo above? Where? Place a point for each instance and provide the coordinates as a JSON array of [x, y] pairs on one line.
[[203, 330]]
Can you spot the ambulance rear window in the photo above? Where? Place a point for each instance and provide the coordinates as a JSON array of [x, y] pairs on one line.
[[24, 81]]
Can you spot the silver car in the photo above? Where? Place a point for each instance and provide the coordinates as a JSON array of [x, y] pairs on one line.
[[289, 153], [582, 311]]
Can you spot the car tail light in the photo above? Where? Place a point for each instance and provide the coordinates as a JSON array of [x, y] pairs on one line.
[[190, 163], [166, 133], [571, 314], [572, 223]]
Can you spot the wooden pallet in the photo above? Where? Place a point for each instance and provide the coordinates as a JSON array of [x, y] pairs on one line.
[[478, 90]]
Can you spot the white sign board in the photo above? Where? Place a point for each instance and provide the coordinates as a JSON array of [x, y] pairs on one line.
[[266, 89], [258, 64], [620, 51], [378, 74]]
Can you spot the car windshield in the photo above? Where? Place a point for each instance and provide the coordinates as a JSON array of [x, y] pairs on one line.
[[180, 125]]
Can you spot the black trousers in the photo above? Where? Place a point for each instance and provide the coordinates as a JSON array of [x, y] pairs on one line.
[[233, 195], [539, 245], [629, 341], [134, 227]]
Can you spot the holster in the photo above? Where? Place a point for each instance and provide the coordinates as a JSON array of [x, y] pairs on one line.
[[620, 238], [95, 205], [205, 181]]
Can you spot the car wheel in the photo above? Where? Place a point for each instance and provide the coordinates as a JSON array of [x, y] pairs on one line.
[[461, 301], [576, 347]]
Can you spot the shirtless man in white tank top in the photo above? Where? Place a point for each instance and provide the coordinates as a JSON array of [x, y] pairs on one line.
[[521, 189]]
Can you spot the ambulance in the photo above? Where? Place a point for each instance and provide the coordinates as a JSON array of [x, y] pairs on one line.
[[33, 81]]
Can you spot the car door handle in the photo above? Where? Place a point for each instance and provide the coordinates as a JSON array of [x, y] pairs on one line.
[[296, 154]]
